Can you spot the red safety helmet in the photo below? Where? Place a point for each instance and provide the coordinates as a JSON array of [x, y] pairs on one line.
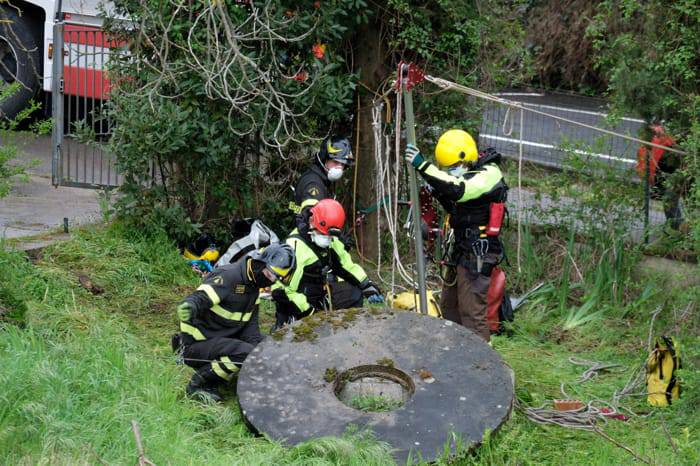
[[327, 217]]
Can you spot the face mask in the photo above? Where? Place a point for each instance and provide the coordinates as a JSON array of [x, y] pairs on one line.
[[261, 281], [335, 173], [456, 171], [322, 241]]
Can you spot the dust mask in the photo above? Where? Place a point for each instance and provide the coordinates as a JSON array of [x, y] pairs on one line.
[[335, 173], [456, 171], [322, 241]]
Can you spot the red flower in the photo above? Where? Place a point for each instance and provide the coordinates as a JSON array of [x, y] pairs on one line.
[[317, 5], [319, 50], [301, 76]]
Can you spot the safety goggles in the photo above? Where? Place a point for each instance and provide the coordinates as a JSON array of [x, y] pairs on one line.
[[283, 275]]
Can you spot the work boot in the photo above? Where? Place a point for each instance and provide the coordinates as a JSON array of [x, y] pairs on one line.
[[201, 389]]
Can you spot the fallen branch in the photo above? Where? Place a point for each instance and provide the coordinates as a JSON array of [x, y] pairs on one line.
[[668, 434], [598, 431], [143, 461]]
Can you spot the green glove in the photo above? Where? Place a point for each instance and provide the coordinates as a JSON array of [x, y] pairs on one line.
[[184, 312]]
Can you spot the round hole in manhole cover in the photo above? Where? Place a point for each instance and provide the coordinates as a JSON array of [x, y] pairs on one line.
[[373, 388]]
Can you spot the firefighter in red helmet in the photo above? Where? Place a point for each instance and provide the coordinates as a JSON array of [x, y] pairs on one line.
[[321, 259]]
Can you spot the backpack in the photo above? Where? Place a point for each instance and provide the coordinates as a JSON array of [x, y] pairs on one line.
[[663, 360], [498, 305], [249, 235]]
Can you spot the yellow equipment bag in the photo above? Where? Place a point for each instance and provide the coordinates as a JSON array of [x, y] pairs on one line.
[[662, 385], [210, 254], [411, 302]]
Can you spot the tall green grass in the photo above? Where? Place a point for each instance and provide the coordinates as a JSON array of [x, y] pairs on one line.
[[85, 365]]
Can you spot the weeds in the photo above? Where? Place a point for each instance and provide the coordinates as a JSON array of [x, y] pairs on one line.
[[374, 403], [85, 364]]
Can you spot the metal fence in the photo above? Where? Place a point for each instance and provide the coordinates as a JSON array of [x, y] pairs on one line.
[[80, 90], [549, 142]]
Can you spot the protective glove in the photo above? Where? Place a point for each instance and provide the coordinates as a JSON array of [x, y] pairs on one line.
[[372, 292], [413, 155], [184, 312]]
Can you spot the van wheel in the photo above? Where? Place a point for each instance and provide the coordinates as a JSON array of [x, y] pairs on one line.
[[20, 61]]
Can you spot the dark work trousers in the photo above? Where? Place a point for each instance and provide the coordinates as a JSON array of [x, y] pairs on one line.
[[464, 300], [218, 359], [344, 295]]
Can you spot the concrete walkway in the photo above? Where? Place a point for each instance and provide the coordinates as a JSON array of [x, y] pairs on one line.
[[36, 207]]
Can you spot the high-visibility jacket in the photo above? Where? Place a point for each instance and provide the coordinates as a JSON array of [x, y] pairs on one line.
[[313, 264], [312, 186], [657, 155], [468, 197], [223, 304]]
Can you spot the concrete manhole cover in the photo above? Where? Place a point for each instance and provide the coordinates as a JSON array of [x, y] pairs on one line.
[[412, 379]]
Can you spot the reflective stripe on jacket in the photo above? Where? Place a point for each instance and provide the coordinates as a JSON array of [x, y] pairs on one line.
[[223, 304], [310, 264], [312, 186]]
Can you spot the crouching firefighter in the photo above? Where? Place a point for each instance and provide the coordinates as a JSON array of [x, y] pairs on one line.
[[321, 258], [473, 192], [219, 321]]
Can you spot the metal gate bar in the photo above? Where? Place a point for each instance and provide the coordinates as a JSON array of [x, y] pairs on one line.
[[80, 90]]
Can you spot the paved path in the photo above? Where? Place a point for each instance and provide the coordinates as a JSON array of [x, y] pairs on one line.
[[542, 136], [543, 202], [36, 207]]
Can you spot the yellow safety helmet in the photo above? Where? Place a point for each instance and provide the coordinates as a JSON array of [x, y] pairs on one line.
[[455, 146]]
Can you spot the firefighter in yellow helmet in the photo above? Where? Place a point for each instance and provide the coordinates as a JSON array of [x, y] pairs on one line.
[[473, 192]]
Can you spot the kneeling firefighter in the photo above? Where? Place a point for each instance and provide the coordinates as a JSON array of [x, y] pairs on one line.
[[320, 258], [219, 321], [473, 192]]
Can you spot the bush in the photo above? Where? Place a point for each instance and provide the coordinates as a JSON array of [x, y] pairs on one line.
[[12, 170], [209, 122], [650, 55]]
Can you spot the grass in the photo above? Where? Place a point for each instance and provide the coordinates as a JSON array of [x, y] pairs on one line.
[[83, 365], [374, 403]]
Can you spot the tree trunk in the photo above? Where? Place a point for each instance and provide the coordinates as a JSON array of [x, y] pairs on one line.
[[370, 62]]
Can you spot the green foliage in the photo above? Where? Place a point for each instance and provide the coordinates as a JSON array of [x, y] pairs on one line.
[[650, 54], [374, 403], [11, 169], [12, 300], [194, 159], [473, 43], [195, 156], [86, 365]]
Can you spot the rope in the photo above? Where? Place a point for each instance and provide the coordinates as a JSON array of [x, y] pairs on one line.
[[445, 84], [520, 192], [585, 417], [386, 185], [593, 368], [508, 118]]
